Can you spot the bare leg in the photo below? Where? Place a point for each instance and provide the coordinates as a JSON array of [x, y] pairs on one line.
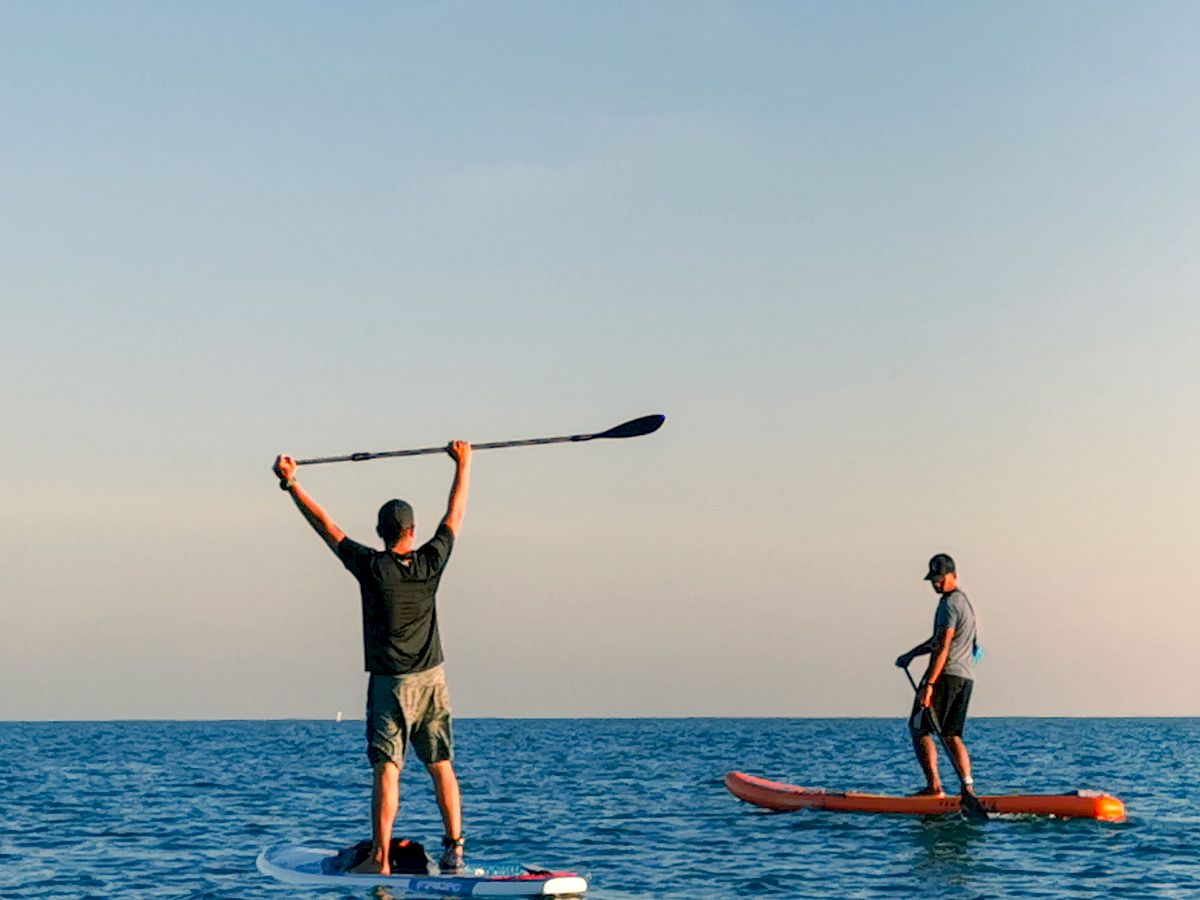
[[445, 785], [959, 750], [385, 803], [927, 757]]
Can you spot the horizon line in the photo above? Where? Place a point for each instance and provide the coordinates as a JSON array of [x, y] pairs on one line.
[[598, 718]]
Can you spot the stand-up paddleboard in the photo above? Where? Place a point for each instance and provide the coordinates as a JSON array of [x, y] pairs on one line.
[[316, 866], [783, 797]]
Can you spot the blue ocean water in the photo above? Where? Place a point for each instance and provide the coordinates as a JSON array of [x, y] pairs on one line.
[[181, 809]]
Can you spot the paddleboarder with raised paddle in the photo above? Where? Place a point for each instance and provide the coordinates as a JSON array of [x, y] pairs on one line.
[[407, 698], [944, 692]]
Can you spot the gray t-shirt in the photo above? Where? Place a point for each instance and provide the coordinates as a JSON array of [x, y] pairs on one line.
[[954, 611]]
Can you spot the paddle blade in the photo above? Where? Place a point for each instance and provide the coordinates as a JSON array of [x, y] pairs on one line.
[[634, 427], [972, 809]]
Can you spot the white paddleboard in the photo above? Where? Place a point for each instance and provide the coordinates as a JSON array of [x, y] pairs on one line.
[[293, 864]]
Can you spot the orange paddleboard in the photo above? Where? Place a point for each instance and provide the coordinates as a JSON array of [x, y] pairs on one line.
[[781, 797]]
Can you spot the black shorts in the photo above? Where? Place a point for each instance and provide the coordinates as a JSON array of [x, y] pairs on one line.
[[951, 697]]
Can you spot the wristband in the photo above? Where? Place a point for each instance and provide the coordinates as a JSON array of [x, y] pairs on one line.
[[287, 485]]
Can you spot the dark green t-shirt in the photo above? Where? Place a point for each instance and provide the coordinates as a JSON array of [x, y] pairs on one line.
[[399, 610]]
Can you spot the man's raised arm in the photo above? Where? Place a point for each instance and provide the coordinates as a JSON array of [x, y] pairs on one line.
[[285, 468], [460, 452]]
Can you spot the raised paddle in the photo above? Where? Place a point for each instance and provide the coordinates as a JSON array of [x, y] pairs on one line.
[[632, 428], [972, 810]]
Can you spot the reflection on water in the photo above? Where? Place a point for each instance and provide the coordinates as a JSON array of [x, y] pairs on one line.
[[944, 849]]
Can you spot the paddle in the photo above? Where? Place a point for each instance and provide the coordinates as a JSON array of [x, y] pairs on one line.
[[972, 809], [632, 428]]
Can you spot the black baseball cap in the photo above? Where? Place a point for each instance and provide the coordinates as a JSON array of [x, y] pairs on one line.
[[941, 564], [395, 515]]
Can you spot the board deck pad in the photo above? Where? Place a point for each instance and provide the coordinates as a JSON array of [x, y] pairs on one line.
[[781, 797], [311, 865]]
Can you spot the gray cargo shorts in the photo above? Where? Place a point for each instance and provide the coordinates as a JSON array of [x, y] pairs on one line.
[[404, 709]]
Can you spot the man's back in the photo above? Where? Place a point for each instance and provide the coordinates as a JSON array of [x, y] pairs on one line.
[[399, 611]]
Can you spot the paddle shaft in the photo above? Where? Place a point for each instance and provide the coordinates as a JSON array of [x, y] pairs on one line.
[[632, 428], [425, 451], [977, 807]]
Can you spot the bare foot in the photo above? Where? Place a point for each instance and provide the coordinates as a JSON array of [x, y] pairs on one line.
[[370, 866], [929, 792]]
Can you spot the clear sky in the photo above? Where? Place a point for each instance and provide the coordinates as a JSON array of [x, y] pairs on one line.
[[907, 278]]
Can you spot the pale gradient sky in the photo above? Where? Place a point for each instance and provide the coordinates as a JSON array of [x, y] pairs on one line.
[[907, 278]]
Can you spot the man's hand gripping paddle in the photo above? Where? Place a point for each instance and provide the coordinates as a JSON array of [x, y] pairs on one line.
[[632, 428], [972, 810]]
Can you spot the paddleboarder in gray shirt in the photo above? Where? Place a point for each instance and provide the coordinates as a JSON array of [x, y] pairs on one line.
[[946, 685]]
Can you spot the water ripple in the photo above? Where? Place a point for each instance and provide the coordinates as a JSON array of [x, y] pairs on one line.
[[180, 809]]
